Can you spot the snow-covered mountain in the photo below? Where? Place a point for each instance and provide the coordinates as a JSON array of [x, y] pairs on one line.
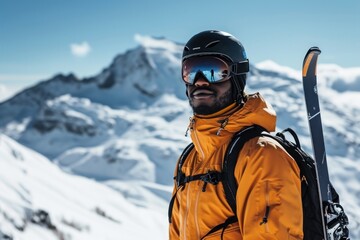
[[134, 79], [125, 127]]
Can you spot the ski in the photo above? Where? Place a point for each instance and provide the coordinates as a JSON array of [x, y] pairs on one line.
[[334, 220], [316, 133]]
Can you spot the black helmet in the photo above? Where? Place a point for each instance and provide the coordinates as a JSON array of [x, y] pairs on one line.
[[224, 45]]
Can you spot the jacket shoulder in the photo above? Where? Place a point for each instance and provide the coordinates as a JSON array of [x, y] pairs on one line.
[[268, 155]]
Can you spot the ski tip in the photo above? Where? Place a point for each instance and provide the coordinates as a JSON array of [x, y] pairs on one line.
[[314, 49], [311, 55]]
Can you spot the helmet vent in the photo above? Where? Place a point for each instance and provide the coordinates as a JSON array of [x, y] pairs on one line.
[[211, 44], [186, 48]]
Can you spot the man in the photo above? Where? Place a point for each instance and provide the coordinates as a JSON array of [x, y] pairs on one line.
[[268, 199]]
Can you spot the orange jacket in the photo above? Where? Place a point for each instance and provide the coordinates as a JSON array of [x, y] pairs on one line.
[[266, 176]]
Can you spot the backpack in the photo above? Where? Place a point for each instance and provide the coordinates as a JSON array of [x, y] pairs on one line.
[[312, 212]]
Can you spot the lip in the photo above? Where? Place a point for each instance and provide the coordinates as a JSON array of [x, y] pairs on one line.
[[202, 94], [199, 92]]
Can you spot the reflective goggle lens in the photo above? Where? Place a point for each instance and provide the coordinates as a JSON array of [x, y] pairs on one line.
[[213, 68]]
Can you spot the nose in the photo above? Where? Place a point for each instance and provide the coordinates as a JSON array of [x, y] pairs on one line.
[[201, 81]]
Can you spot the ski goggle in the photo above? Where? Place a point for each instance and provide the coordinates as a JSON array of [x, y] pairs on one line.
[[214, 69]]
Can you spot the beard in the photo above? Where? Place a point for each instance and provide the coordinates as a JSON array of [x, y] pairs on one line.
[[220, 102]]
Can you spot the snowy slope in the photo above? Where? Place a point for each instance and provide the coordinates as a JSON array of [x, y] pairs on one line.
[[125, 127], [77, 207]]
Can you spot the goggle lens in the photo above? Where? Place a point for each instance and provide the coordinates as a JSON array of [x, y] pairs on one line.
[[213, 68]]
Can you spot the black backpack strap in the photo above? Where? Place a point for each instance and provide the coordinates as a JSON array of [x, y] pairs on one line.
[[179, 178], [171, 205], [228, 177], [293, 134], [212, 177], [230, 160], [222, 226]]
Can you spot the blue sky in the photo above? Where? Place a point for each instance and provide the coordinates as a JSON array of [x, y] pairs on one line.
[[36, 36]]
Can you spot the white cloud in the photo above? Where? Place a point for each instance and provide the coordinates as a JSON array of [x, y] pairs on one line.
[[80, 49]]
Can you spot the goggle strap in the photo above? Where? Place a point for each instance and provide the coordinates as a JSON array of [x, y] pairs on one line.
[[240, 67]]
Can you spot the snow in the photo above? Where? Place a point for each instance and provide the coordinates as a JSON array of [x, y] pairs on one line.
[[110, 143], [340, 79], [79, 208], [162, 43]]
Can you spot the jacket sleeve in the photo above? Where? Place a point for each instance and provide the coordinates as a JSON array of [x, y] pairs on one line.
[[269, 192]]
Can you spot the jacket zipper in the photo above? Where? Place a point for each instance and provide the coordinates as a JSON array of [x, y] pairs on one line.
[[267, 209], [186, 211], [191, 128], [196, 213]]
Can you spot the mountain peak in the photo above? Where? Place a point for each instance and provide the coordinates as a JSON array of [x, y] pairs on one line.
[[157, 43]]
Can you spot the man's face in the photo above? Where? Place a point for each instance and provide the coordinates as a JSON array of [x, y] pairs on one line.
[[206, 98]]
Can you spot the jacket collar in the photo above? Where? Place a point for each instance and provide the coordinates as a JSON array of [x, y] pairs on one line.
[[209, 132]]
